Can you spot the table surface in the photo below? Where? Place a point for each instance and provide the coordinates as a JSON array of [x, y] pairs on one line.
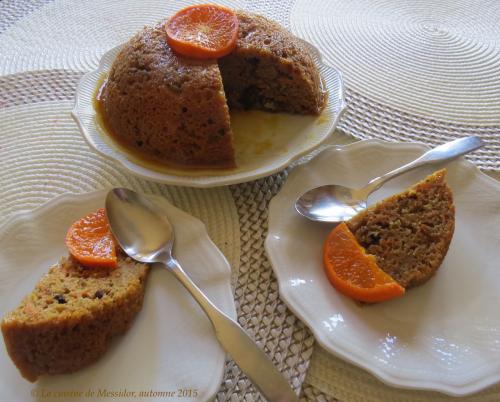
[[47, 45]]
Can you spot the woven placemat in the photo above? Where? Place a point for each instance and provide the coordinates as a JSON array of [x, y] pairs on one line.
[[260, 310], [421, 71], [331, 376]]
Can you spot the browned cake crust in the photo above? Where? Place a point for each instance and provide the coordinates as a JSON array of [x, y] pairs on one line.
[[271, 69], [67, 321], [173, 109], [409, 233], [166, 106]]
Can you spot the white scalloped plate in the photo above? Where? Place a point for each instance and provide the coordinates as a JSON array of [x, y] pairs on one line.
[[265, 142], [171, 347], [444, 335]]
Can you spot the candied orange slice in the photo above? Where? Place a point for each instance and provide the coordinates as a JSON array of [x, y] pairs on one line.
[[353, 272], [204, 31], [90, 242]]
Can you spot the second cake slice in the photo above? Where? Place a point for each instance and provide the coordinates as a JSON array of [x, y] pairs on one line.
[[410, 232]]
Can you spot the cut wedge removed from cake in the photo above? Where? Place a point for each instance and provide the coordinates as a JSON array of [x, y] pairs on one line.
[[68, 320], [409, 233]]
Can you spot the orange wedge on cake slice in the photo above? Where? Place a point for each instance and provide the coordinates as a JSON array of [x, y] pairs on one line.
[[90, 242], [355, 273]]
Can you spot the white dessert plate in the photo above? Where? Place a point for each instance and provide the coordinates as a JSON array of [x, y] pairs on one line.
[[443, 335], [170, 351], [265, 142]]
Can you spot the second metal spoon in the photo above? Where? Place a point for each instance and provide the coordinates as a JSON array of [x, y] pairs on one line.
[[335, 203], [145, 234]]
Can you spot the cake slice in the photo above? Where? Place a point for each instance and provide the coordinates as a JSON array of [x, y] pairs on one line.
[[409, 233], [68, 320]]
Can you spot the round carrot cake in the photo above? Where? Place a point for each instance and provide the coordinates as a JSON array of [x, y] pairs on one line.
[[175, 109]]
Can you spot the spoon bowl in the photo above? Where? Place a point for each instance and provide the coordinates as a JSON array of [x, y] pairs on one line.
[[325, 202], [140, 227]]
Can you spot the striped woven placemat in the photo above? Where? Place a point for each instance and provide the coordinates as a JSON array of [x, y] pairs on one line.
[[421, 71]]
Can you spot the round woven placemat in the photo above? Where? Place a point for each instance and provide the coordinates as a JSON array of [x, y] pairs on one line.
[[422, 71]]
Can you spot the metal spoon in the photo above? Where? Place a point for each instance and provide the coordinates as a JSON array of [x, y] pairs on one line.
[[335, 203], [146, 235]]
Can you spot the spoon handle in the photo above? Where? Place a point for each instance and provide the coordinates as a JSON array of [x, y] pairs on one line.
[[244, 351], [441, 153]]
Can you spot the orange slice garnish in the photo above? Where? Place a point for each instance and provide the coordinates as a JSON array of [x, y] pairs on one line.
[[353, 272], [90, 242], [204, 31]]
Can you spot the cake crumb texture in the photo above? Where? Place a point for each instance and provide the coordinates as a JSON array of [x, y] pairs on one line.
[[271, 70], [409, 233]]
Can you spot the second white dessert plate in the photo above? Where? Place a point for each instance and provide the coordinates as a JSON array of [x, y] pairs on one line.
[[443, 335]]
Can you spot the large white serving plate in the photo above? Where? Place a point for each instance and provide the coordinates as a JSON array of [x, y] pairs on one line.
[[265, 143], [170, 349], [444, 335]]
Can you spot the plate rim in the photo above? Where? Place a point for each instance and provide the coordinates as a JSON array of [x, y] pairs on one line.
[[80, 198], [287, 294], [208, 181]]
